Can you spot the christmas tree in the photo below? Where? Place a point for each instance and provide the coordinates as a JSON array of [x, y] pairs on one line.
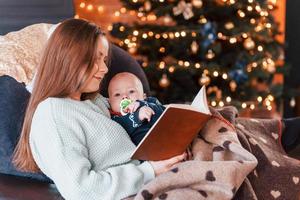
[[228, 45]]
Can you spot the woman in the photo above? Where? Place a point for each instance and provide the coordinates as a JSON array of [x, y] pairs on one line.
[[67, 131]]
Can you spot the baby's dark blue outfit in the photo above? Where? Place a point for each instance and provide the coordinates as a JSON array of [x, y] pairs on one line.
[[136, 128]]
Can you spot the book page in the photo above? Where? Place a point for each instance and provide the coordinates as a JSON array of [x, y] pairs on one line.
[[200, 101]]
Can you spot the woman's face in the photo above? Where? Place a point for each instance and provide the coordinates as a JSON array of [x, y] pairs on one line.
[[92, 84]]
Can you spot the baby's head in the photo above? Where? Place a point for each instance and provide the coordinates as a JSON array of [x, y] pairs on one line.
[[124, 85]]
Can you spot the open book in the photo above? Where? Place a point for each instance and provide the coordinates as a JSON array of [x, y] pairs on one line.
[[175, 129]]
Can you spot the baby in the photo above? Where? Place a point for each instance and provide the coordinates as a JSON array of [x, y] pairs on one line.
[[141, 113]]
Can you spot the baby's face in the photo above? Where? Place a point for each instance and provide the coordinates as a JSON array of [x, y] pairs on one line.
[[124, 85]]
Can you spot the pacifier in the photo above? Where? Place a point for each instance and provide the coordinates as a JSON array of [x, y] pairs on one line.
[[124, 104]]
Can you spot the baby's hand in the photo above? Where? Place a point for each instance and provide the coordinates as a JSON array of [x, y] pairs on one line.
[[132, 107], [145, 112]]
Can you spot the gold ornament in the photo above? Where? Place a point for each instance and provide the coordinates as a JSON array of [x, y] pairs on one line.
[[249, 44], [185, 9], [210, 54], [164, 82], [197, 3], [147, 5], [194, 47], [229, 25], [204, 80], [232, 85]]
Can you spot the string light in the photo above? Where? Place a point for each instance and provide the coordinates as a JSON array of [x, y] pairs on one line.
[[123, 10], [171, 35], [186, 64], [127, 41], [270, 97], [90, 7], [197, 65], [224, 76], [117, 14], [122, 28], [232, 40], [162, 49], [244, 35], [268, 103], [241, 14], [260, 48], [259, 99], [151, 17], [76, 16], [135, 33], [151, 34], [221, 103], [109, 27], [171, 69], [134, 39], [82, 5], [144, 64], [162, 65], [100, 9], [252, 106], [228, 99], [244, 105], [183, 34], [258, 8], [213, 103], [145, 36], [215, 74]]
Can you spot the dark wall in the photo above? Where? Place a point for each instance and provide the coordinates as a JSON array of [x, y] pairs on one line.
[[16, 14], [292, 52]]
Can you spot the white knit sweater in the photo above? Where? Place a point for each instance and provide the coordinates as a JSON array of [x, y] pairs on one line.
[[84, 152]]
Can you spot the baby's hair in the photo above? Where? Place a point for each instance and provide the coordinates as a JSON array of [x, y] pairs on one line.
[[122, 74]]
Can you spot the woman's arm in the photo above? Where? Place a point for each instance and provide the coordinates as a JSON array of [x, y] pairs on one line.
[[70, 168]]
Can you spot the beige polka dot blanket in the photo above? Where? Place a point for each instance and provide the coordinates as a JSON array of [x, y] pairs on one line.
[[234, 158]]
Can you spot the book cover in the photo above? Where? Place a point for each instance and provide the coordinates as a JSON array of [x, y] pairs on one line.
[[172, 133]]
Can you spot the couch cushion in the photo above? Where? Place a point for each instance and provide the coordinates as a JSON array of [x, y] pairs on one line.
[[16, 188], [20, 51], [13, 100]]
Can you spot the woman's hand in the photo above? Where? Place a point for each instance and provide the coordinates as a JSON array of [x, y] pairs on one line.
[[162, 166]]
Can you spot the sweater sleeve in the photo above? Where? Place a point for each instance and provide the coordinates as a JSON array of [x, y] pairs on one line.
[[70, 168]]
